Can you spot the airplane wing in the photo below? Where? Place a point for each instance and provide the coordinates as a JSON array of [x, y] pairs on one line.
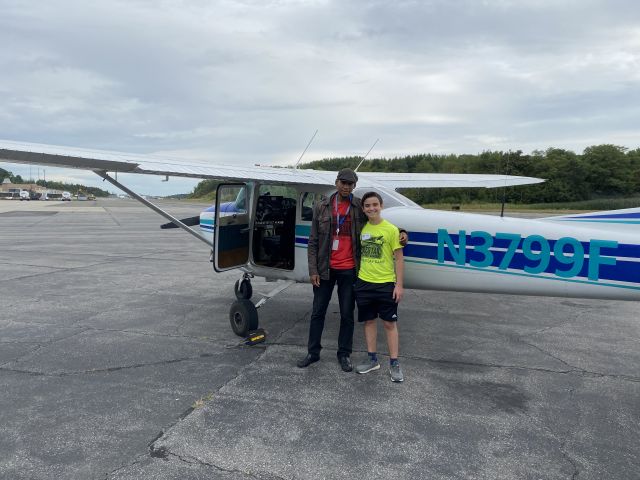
[[441, 180], [105, 161]]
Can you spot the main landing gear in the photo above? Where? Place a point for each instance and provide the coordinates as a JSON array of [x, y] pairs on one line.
[[243, 314]]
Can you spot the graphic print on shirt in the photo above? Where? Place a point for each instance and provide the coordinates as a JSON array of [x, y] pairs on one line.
[[372, 248]]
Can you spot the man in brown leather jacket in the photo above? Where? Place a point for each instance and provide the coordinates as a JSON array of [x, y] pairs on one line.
[[333, 255]]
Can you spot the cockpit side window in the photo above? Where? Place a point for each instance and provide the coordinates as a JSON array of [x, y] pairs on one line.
[[307, 201]]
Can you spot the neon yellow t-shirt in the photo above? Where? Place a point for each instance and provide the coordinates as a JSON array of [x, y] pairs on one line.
[[378, 243]]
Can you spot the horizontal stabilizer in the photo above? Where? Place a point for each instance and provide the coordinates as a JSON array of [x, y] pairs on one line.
[[627, 219], [190, 222]]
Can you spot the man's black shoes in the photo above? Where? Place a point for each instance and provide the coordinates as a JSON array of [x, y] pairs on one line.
[[345, 363], [306, 361]]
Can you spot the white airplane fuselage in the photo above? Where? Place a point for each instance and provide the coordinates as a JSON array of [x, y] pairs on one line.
[[485, 253]]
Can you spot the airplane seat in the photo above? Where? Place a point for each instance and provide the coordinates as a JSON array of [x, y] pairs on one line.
[[274, 232]]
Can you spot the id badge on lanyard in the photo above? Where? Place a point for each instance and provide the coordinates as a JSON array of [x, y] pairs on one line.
[[336, 240]]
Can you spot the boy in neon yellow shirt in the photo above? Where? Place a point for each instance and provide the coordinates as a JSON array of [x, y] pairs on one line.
[[379, 287]]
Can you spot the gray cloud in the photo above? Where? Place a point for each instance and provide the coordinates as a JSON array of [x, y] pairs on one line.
[[249, 81]]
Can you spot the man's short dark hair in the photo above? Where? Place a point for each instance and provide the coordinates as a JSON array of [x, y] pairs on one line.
[[369, 195]]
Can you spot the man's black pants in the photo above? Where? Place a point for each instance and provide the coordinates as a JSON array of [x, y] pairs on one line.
[[321, 298]]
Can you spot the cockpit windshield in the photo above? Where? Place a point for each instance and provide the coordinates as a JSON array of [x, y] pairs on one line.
[[389, 198], [240, 199]]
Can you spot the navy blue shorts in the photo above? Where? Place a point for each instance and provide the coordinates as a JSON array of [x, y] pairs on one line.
[[375, 300]]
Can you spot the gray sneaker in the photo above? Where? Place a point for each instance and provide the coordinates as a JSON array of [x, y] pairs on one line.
[[370, 366], [396, 373]]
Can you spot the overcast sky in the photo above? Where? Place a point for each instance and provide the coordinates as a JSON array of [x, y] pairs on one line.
[[250, 81]]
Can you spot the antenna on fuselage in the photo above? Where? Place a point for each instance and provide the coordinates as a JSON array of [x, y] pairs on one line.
[[367, 154], [504, 188], [305, 149]]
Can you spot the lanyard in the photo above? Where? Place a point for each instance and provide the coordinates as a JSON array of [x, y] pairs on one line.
[[338, 221]]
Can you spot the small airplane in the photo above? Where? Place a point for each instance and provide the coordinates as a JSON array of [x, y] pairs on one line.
[[261, 221]]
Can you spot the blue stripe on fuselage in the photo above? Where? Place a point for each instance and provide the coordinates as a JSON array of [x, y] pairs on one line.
[[619, 216], [622, 270], [622, 250]]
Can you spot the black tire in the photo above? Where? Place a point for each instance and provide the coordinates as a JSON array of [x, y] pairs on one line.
[[243, 289], [243, 317]]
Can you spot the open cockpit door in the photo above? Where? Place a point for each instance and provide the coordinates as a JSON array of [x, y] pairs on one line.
[[231, 232], [274, 227]]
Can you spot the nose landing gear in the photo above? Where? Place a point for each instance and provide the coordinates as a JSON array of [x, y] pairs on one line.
[[243, 288], [243, 314], [243, 317]]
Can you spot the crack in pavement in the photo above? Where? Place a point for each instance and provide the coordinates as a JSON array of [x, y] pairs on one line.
[[34, 349], [40, 347], [535, 332], [17, 342], [108, 369], [163, 451], [441, 361], [562, 448], [304, 316], [581, 372], [58, 270], [195, 461], [473, 345], [89, 328], [184, 320], [141, 458], [560, 439], [541, 350], [145, 334]]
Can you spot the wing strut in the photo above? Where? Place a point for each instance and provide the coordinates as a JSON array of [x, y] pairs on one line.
[[153, 207]]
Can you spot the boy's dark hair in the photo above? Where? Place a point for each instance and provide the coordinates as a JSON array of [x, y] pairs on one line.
[[369, 195]]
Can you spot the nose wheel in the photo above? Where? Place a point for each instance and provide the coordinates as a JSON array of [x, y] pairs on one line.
[[243, 314], [243, 317]]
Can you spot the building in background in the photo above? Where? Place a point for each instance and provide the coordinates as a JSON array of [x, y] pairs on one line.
[[12, 190]]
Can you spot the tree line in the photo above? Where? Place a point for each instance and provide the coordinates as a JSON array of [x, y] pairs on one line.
[[601, 171]]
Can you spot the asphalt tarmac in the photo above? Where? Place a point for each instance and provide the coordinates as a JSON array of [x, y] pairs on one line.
[[117, 362]]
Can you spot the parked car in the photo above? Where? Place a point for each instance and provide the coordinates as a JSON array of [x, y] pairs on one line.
[[24, 195], [66, 197]]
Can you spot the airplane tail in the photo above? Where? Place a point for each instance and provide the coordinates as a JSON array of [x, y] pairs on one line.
[[627, 219]]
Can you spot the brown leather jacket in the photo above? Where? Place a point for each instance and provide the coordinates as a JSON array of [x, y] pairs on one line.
[[320, 238]]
